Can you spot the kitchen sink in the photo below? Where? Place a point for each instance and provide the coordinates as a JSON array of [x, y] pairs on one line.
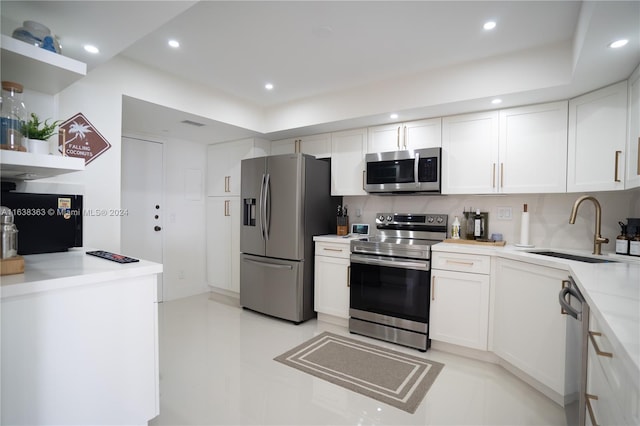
[[573, 257]]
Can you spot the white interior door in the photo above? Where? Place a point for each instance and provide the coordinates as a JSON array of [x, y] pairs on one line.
[[141, 227]]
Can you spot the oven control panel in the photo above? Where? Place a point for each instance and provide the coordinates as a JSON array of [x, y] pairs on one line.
[[411, 219]]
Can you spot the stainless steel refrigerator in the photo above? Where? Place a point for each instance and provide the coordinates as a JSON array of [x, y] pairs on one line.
[[286, 200]]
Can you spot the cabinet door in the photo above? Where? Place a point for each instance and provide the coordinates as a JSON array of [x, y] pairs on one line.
[[423, 134], [470, 153], [459, 310], [223, 167], [597, 139], [317, 145], [533, 149], [331, 286], [223, 243], [347, 162], [384, 138], [285, 146], [632, 179], [529, 330]]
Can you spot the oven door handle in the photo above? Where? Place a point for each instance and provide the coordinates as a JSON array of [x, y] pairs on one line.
[[389, 261]]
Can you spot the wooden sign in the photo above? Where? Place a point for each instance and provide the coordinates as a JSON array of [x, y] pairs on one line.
[[78, 138]]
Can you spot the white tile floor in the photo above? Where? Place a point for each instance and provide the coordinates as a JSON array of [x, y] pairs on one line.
[[216, 367]]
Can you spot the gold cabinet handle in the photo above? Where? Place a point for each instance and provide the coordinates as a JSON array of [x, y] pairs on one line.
[[565, 283], [227, 183], [398, 138], [592, 337], [493, 176], [332, 249], [616, 178], [501, 175], [349, 276], [226, 208], [363, 173], [458, 262], [592, 416], [433, 288], [296, 145], [404, 136]]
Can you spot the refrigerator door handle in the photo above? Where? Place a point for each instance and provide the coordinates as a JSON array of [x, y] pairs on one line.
[[267, 206], [269, 265], [261, 214]]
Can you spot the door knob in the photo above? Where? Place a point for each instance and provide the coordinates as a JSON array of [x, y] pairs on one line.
[[156, 228]]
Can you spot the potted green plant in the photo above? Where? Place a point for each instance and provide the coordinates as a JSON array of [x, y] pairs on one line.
[[38, 133]]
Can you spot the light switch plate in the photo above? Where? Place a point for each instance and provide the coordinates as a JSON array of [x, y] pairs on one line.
[[505, 213]]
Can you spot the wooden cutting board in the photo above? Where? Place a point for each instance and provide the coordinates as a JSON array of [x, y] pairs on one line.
[[476, 242], [13, 265]]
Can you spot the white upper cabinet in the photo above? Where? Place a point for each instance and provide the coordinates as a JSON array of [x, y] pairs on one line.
[[597, 140], [470, 153], [533, 149], [223, 164], [403, 136], [347, 162], [317, 145], [517, 150], [632, 177]]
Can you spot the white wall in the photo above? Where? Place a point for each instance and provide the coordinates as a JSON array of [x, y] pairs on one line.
[[549, 214]]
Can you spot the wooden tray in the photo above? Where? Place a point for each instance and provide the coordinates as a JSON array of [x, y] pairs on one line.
[[13, 265], [475, 242]]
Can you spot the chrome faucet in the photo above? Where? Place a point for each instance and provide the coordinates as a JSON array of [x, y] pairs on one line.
[[597, 238]]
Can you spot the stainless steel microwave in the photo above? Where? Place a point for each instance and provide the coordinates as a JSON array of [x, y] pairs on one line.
[[404, 171]]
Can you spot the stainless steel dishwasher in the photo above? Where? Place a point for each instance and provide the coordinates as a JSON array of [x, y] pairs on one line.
[[573, 304]]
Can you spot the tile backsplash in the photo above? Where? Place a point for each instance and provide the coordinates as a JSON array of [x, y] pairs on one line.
[[548, 213]]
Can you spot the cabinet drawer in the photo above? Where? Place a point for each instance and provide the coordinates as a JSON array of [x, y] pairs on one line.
[[478, 264], [341, 250], [604, 355]]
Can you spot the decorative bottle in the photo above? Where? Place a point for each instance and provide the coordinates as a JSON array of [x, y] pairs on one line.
[[622, 241], [634, 245], [477, 225], [455, 229]]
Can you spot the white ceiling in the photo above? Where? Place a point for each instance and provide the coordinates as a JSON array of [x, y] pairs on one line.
[[321, 49]]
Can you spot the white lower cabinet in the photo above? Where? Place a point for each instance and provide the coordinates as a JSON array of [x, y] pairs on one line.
[[223, 243], [529, 331], [331, 278], [613, 397], [459, 309]]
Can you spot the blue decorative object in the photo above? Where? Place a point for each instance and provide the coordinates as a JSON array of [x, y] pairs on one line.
[[47, 44]]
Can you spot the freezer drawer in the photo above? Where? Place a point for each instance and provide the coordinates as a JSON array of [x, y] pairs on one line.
[[273, 287]]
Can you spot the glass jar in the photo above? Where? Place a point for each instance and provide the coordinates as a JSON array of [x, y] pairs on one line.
[[13, 115]]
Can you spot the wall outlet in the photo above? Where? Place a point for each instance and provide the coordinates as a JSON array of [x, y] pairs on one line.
[[505, 213]]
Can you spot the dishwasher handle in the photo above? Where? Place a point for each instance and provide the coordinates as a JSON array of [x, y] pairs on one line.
[[562, 298]]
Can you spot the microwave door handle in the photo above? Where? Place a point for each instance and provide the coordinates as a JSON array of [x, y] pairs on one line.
[[416, 168]]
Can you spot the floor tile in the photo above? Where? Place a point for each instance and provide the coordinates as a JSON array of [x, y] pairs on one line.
[[217, 368]]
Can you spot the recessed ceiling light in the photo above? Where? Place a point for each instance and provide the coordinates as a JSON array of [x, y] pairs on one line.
[[489, 25], [268, 86], [618, 43], [91, 48], [393, 116], [496, 101], [174, 43]]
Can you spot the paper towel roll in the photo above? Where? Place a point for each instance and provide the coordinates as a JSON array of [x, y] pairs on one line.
[[524, 229]]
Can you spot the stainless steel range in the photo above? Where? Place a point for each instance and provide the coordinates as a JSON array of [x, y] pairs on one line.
[[390, 278]]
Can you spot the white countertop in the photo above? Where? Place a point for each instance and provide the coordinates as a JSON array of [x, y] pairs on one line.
[[346, 239], [612, 291], [53, 271]]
